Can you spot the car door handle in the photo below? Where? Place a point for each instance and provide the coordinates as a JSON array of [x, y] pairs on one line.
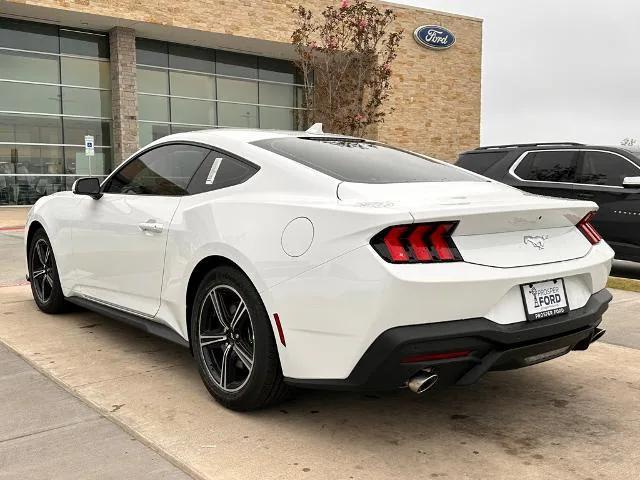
[[586, 196], [151, 227]]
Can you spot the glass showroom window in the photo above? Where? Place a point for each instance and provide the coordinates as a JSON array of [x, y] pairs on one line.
[[183, 88], [54, 89]]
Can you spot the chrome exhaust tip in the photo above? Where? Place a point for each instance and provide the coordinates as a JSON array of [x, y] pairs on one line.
[[422, 381], [597, 334]]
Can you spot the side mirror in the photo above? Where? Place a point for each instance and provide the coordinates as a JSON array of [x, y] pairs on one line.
[[87, 186], [631, 182]]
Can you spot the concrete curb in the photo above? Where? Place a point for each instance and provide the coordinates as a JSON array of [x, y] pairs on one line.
[[628, 284], [106, 414]]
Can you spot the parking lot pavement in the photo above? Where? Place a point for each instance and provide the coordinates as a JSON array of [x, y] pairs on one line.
[[45, 432], [12, 269], [12, 266], [576, 417], [623, 322], [13, 216]]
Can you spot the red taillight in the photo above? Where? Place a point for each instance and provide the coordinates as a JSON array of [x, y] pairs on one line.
[[440, 239], [394, 244], [418, 243], [428, 357], [589, 230]]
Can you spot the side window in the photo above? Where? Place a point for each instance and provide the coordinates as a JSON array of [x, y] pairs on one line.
[[220, 171], [557, 166], [480, 162], [166, 170], [604, 168]]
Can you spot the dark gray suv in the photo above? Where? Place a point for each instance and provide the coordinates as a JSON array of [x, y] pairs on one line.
[[609, 176]]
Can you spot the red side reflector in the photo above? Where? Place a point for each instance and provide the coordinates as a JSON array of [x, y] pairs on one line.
[[394, 245], [589, 230], [427, 357], [276, 317]]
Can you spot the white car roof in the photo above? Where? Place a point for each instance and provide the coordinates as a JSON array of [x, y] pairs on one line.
[[215, 136]]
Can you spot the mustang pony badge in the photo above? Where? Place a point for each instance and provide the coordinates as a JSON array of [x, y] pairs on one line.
[[536, 240]]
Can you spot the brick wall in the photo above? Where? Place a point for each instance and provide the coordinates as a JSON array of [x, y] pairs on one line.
[[437, 93], [124, 100]]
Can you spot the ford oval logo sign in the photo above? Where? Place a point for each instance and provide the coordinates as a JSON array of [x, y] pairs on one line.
[[434, 36]]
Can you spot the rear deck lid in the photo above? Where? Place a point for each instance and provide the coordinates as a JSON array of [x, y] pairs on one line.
[[499, 226]]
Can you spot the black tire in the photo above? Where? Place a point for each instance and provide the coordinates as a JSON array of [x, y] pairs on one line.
[[45, 281], [216, 343]]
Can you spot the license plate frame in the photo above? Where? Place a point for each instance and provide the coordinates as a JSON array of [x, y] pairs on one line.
[[552, 302]]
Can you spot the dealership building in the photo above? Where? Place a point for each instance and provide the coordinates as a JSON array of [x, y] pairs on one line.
[[121, 73]]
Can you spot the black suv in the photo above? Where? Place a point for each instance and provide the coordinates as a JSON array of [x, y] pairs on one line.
[[607, 175]]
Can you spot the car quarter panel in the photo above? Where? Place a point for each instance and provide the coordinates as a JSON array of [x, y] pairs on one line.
[[245, 224]]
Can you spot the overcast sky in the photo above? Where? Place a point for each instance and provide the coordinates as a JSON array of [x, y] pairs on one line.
[[556, 70]]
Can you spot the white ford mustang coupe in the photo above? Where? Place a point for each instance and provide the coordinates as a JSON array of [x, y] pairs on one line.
[[315, 260]]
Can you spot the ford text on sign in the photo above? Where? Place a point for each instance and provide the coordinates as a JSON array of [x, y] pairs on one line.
[[434, 36]]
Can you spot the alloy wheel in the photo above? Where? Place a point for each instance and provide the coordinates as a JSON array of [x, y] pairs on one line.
[[226, 338], [42, 270]]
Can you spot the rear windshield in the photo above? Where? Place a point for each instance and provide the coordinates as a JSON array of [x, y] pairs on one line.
[[479, 162], [359, 161]]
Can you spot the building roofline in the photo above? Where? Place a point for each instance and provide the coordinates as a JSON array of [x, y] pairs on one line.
[[404, 6]]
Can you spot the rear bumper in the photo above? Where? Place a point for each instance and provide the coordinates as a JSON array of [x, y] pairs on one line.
[[332, 314], [493, 347]]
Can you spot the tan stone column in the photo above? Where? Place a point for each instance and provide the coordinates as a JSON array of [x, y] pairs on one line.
[[124, 98]]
